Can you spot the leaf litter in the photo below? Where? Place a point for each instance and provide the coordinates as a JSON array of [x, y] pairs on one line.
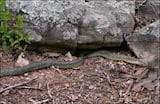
[[98, 80]]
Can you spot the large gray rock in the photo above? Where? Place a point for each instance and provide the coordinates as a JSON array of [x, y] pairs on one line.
[[76, 23], [148, 9], [145, 43]]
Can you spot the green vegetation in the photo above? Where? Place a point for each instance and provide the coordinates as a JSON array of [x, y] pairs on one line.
[[11, 26]]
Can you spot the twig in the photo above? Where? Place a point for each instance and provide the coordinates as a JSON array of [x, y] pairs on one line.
[[32, 88], [16, 85], [49, 91], [38, 102], [107, 74], [129, 88]]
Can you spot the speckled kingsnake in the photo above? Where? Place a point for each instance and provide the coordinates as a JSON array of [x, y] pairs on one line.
[[69, 64]]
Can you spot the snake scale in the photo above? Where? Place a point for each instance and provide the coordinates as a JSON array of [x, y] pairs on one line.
[[69, 64]]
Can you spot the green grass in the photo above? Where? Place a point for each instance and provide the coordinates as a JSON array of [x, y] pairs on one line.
[[11, 26]]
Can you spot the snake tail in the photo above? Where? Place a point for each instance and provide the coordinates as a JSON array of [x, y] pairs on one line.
[[39, 65]]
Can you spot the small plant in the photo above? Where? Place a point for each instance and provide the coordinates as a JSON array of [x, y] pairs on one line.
[[11, 27]]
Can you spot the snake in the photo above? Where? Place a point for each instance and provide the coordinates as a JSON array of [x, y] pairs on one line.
[[68, 64]]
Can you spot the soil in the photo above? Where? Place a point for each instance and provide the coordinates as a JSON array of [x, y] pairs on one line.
[[97, 81]]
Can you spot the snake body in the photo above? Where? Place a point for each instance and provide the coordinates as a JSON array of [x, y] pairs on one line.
[[112, 56], [69, 64]]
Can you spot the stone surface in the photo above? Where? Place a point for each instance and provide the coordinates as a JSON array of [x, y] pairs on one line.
[[145, 43], [76, 23], [149, 9]]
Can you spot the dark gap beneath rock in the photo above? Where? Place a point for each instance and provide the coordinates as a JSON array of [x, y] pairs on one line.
[[86, 0]]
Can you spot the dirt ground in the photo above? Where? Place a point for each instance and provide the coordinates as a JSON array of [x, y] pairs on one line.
[[97, 81]]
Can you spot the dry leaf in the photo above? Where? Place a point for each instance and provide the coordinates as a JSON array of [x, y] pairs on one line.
[[69, 56], [147, 83], [141, 72], [74, 97], [105, 100], [21, 61], [137, 87]]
